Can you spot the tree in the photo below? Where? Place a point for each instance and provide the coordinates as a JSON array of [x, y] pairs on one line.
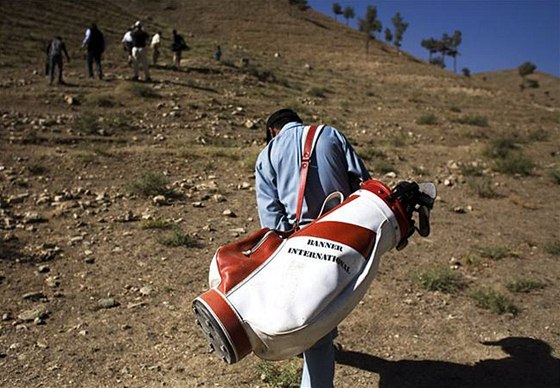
[[452, 47], [438, 61], [388, 35], [300, 4], [466, 72], [400, 28], [431, 45], [348, 13], [370, 25], [337, 10], [526, 69]]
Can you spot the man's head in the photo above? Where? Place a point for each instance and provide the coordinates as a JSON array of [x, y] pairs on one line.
[[278, 119], [138, 25]]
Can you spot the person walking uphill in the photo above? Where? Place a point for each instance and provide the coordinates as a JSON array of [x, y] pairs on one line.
[[94, 42], [334, 166], [177, 46], [139, 55], [54, 51], [155, 44]]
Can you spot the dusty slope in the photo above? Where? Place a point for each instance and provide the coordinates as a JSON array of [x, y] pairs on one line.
[[199, 130]]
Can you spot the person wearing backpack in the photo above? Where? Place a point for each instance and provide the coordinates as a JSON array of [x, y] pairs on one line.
[[139, 54], [94, 42], [177, 46], [55, 50]]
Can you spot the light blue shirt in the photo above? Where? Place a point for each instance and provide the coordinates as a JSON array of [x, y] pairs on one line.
[[334, 166]]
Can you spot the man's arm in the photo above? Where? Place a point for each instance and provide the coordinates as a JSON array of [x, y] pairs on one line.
[[65, 52], [272, 213], [86, 38], [357, 170]]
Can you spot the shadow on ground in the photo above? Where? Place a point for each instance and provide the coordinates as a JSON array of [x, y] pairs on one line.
[[530, 364]]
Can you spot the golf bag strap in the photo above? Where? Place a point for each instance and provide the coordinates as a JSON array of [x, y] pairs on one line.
[[309, 139]]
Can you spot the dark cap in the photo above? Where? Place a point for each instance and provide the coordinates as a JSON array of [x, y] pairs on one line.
[[280, 118]]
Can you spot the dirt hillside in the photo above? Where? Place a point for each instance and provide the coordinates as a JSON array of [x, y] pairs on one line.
[[115, 194]]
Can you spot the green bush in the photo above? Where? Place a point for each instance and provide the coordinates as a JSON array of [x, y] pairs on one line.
[[277, 376], [151, 183], [483, 187], [179, 239], [440, 279], [156, 223], [515, 164], [475, 120], [491, 300], [471, 169], [553, 248], [427, 119], [494, 253], [86, 122], [524, 286], [500, 148]]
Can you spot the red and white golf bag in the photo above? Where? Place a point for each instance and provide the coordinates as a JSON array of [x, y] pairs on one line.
[[276, 294]]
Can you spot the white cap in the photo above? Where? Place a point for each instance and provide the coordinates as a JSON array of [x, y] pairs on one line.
[[137, 24]]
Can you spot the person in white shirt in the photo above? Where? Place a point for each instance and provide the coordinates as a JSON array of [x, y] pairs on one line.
[[127, 44], [156, 41]]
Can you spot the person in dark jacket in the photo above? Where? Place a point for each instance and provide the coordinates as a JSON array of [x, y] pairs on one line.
[[177, 46], [94, 42], [139, 54], [55, 50]]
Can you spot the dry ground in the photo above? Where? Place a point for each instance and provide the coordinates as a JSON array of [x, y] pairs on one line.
[[74, 231]]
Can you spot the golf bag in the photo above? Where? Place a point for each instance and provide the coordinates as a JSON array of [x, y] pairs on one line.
[[276, 293]]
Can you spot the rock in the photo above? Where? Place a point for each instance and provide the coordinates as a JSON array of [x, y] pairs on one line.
[[14, 199], [145, 291], [71, 100], [198, 204], [245, 186], [6, 317], [218, 198], [36, 295], [229, 213], [250, 124], [391, 175], [52, 281], [32, 218], [459, 210], [107, 303], [159, 200], [40, 312], [43, 269], [89, 260]]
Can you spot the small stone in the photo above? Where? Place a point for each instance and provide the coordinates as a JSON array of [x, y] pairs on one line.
[[37, 295], [30, 315], [159, 200], [459, 210], [6, 317], [146, 290], [89, 260], [107, 303], [52, 281], [229, 213], [219, 198], [198, 204], [43, 269]]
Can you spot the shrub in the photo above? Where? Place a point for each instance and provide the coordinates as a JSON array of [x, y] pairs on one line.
[[538, 135], [280, 377], [102, 100], [500, 148], [555, 175], [483, 187], [383, 167], [150, 184], [524, 286], [36, 169], [475, 120], [370, 153], [471, 169], [143, 91], [494, 253], [179, 239], [455, 109], [427, 119], [439, 279], [316, 91], [156, 223], [86, 122], [515, 165], [491, 300], [553, 248]]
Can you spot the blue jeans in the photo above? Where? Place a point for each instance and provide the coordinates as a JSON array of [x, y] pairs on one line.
[[318, 363], [91, 57]]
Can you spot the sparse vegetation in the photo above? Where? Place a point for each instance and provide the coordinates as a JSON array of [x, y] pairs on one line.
[[317, 91], [489, 299], [494, 252], [471, 169], [86, 122], [151, 183], [156, 223], [277, 376], [483, 187], [139, 90], [553, 248], [101, 100], [555, 175], [36, 169], [500, 148], [383, 167], [515, 165], [370, 153], [179, 239], [524, 286], [474, 120], [427, 119], [538, 135], [439, 278]]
